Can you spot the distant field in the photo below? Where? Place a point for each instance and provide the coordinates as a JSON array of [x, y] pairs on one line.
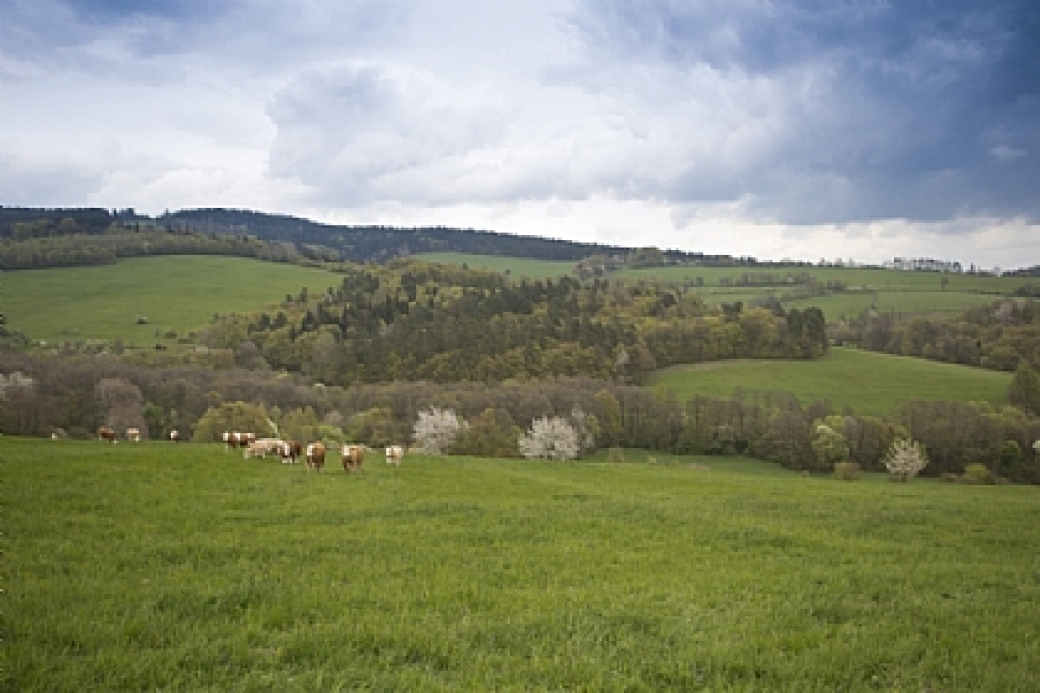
[[887, 290], [515, 266], [185, 568], [851, 305], [870, 383], [178, 293], [877, 279]]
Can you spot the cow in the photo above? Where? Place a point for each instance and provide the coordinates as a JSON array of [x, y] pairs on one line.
[[315, 456], [353, 457], [235, 439], [394, 453], [106, 433], [175, 436], [264, 447], [291, 450], [133, 435]]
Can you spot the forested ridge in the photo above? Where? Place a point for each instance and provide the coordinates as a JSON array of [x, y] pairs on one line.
[[32, 238], [414, 320]]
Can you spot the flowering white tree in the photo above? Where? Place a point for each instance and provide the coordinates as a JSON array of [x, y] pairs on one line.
[[436, 429], [550, 439], [905, 459]]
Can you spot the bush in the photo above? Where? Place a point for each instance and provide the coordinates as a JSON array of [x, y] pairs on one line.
[[978, 474], [905, 460], [846, 471]]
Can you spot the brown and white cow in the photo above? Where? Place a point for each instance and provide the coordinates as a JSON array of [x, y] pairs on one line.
[[394, 453], [315, 456], [133, 435], [107, 433], [291, 451], [236, 439], [353, 457], [175, 436]]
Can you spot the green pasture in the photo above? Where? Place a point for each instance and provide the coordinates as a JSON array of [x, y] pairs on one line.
[[869, 382], [514, 266], [185, 568], [851, 305], [854, 278], [175, 293]]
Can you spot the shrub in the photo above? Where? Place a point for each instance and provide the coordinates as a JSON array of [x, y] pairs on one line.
[[978, 474], [829, 446], [905, 459], [846, 471]]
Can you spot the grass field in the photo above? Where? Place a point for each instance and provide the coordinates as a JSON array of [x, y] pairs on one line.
[[887, 290], [873, 279], [515, 266], [178, 293], [158, 567], [869, 382]]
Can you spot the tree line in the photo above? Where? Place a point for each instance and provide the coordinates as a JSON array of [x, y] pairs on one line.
[[77, 394], [1001, 335]]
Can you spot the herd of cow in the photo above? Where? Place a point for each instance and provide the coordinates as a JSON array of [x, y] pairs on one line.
[[351, 455]]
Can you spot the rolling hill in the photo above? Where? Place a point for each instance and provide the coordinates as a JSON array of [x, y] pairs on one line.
[[869, 382]]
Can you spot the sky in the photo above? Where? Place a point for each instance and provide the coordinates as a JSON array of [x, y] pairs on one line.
[[778, 129]]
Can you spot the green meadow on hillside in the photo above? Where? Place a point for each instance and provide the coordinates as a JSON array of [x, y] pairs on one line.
[[175, 293], [869, 382], [854, 278], [885, 290], [514, 266], [162, 567]]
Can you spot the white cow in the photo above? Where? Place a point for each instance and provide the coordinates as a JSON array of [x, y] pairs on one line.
[[394, 453], [262, 447]]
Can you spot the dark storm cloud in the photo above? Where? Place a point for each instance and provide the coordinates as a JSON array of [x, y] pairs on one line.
[[922, 110]]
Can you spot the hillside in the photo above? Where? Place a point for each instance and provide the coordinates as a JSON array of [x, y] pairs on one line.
[[868, 382], [176, 294]]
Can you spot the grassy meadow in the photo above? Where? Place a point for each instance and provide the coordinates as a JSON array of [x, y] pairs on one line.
[[175, 293], [871, 383], [514, 266], [885, 290], [185, 568]]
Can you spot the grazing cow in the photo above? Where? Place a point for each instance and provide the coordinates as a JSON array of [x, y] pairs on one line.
[[235, 439], [264, 447], [133, 435], [106, 433], [353, 457], [291, 450], [394, 453], [315, 456], [175, 436]]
